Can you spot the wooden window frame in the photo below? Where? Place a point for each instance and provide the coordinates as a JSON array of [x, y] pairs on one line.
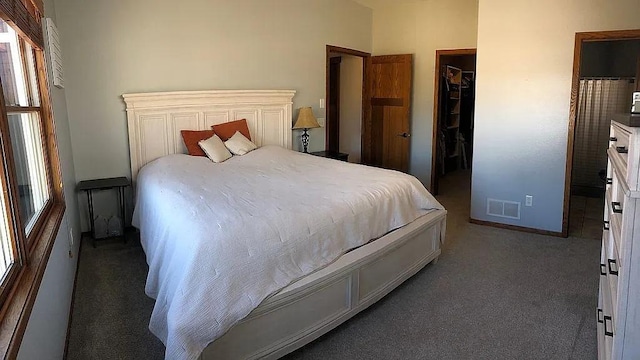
[[33, 251]]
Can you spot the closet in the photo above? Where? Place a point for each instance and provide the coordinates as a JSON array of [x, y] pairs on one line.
[[453, 131]]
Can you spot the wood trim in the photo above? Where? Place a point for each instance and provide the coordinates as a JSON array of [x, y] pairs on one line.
[[575, 84], [22, 109], [436, 108], [365, 134], [11, 203], [15, 313], [515, 228], [630, 34], [52, 163], [329, 49], [341, 50], [638, 75]]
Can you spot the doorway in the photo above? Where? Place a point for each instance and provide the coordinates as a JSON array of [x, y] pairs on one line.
[[453, 114], [605, 73], [345, 102], [384, 131]]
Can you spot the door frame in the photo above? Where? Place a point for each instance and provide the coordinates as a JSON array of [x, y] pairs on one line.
[[436, 105], [365, 92], [582, 37]]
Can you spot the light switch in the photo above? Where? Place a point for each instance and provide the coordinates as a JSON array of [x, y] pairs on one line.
[[321, 122], [321, 103]]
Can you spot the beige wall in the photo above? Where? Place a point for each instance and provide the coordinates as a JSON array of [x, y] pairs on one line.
[[421, 28], [164, 45], [524, 67], [351, 106]]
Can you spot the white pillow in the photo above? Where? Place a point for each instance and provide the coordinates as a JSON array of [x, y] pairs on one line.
[[238, 144], [215, 149]]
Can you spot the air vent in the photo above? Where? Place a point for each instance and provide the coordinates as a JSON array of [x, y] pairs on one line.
[[503, 208]]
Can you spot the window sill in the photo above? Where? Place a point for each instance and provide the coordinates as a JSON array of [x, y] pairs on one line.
[[16, 310]]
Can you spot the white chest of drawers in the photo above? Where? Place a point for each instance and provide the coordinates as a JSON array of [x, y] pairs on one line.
[[618, 313]]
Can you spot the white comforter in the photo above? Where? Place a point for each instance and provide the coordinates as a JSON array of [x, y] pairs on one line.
[[220, 238]]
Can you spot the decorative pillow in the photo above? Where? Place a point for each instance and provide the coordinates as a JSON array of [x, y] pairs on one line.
[[215, 149], [239, 145], [191, 139], [226, 130]]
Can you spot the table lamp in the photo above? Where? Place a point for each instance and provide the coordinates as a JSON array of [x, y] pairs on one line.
[[306, 120]]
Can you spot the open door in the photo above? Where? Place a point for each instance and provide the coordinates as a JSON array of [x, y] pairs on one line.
[[386, 126]]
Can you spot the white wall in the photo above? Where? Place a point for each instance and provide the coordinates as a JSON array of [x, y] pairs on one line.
[[524, 68], [351, 106], [421, 28], [46, 331], [163, 45]]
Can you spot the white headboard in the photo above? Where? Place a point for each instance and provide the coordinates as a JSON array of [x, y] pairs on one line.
[[155, 119]]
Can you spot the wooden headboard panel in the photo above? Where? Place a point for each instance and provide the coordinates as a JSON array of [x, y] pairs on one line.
[[155, 119]]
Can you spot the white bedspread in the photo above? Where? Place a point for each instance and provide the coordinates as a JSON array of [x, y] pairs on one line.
[[220, 238]]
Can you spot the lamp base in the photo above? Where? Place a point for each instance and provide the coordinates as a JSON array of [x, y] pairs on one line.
[[305, 140]]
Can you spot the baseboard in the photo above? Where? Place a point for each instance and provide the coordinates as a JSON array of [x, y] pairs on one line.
[[516, 228], [73, 300]]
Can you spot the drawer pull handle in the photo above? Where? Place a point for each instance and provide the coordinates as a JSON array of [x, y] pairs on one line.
[[612, 264], [606, 331], [621, 150], [613, 138], [600, 319], [603, 269], [617, 208], [606, 225], [609, 181]]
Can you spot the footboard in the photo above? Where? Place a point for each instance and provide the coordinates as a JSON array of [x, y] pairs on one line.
[[312, 306]]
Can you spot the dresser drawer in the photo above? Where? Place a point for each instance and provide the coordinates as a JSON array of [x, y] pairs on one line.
[[613, 219], [619, 140], [623, 153], [610, 266], [606, 318]]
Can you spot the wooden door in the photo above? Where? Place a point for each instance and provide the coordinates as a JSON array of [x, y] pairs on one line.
[[387, 129]]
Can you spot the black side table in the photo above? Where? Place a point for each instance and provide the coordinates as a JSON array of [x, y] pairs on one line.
[[119, 183], [331, 155]]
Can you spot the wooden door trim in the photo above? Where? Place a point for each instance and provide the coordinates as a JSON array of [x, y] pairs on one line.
[[638, 75], [365, 68], [436, 105], [575, 83]]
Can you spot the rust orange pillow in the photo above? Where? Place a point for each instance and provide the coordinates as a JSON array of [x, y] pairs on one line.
[[191, 139], [226, 130]]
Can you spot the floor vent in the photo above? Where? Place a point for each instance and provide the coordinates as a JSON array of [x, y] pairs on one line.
[[503, 208]]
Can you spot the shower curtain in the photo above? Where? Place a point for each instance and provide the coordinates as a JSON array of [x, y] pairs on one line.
[[598, 100]]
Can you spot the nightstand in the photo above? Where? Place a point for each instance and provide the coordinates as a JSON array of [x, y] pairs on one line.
[[89, 186], [331, 155]]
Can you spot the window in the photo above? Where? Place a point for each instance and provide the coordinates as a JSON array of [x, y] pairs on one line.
[[31, 194], [25, 170]]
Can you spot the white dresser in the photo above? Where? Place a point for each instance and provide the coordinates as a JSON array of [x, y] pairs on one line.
[[618, 312]]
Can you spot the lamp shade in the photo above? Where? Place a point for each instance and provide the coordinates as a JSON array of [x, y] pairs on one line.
[[306, 119]]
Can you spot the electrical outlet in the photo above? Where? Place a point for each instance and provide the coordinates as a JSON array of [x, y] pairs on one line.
[[528, 200]]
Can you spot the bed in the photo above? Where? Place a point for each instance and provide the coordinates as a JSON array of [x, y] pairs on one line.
[[333, 282]]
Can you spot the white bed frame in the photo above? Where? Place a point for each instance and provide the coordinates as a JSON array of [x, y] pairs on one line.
[[317, 303]]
